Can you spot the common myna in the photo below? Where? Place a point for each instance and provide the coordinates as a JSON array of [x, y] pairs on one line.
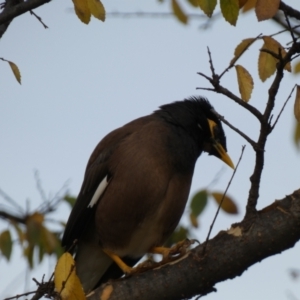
[[136, 186]]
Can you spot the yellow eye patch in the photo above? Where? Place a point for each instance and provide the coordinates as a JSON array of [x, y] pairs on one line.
[[212, 125]]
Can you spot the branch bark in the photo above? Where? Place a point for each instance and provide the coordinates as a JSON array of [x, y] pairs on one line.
[[19, 9], [273, 230]]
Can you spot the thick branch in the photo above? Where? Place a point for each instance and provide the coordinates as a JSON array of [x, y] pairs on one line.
[[289, 10], [17, 10], [229, 254], [266, 129], [11, 217]]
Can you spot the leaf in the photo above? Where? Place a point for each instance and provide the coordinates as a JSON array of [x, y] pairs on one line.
[[20, 233], [34, 228], [15, 70], [250, 4], [266, 62], [6, 244], [181, 233], [66, 282], [297, 104], [193, 3], [179, 13], [28, 253], [194, 220], [297, 135], [242, 3], [208, 6], [241, 48], [82, 10], [245, 82], [228, 204], [230, 10], [297, 67], [70, 200], [97, 9], [266, 9], [198, 202]]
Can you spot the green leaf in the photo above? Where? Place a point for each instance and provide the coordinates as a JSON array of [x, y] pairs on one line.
[[208, 6], [28, 253], [198, 202], [70, 200], [181, 233], [6, 244], [193, 3], [230, 10]]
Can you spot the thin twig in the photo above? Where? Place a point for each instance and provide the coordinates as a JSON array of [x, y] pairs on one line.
[[286, 101], [246, 137], [39, 19], [289, 27], [219, 207], [11, 201], [235, 59]]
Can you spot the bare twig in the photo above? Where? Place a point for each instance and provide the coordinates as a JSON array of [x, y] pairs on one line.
[[235, 59], [219, 207], [286, 101], [39, 19], [246, 137], [11, 201]]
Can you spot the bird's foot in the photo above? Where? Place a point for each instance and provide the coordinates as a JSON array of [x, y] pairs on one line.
[[173, 253]]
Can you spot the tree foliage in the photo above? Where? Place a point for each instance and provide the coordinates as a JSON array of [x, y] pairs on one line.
[[34, 235]]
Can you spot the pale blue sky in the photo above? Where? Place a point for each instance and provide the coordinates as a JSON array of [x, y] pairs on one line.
[[80, 82]]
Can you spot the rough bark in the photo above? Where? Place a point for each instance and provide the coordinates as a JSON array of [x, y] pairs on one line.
[[274, 229]]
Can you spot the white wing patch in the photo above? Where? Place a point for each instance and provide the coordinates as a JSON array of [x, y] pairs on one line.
[[100, 189]]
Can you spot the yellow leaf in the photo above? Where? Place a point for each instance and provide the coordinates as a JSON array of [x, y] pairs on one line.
[[266, 9], [82, 10], [297, 104], [297, 67], [241, 48], [97, 9], [250, 4], [230, 10], [245, 82], [208, 6], [228, 204], [267, 62], [297, 134], [66, 282], [15, 70], [179, 13]]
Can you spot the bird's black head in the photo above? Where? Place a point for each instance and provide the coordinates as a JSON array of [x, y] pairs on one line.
[[196, 116]]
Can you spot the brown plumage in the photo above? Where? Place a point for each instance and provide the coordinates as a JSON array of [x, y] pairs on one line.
[[136, 186]]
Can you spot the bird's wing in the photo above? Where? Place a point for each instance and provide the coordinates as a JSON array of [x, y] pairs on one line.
[[97, 172]]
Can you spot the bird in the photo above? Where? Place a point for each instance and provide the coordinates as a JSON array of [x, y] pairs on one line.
[[136, 185]]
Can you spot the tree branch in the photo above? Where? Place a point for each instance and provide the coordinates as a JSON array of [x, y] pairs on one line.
[[19, 9], [227, 256], [289, 10]]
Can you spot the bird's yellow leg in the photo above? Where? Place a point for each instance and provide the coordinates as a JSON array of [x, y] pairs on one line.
[[178, 249], [125, 268]]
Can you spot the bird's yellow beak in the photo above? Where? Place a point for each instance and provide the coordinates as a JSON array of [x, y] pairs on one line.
[[223, 154]]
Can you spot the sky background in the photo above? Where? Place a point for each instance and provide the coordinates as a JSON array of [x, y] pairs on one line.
[[80, 82]]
